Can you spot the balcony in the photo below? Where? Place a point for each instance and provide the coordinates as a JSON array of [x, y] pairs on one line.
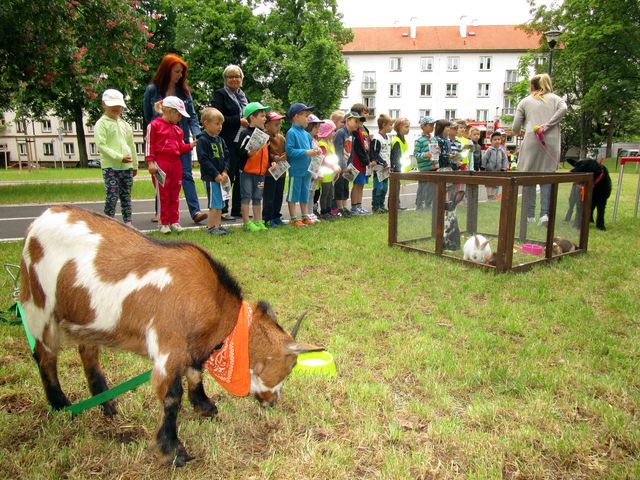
[[368, 87], [508, 87]]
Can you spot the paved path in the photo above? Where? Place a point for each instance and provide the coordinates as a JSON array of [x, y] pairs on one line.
[[14, 219]]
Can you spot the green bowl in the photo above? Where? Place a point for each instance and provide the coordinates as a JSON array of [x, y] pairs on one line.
[[316, 363]]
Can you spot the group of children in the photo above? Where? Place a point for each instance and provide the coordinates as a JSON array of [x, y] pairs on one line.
[[321, 157]]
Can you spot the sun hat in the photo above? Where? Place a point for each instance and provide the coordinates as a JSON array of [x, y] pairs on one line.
[[272, 116], [314, 119], [298, 107], [112, 97], [176, 103], [252, 108], [349, 115], [326, 128], [427, 120]]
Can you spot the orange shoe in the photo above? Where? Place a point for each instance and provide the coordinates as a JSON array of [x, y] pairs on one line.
[[297, 223], [307, 221]]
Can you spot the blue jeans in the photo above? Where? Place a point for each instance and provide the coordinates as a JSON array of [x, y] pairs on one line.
[[188, 185], [379, 192], [545, 198]]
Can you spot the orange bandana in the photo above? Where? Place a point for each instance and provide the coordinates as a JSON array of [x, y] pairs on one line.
[[230, 365]]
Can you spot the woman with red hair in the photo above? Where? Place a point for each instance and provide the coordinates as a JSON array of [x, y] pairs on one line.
[[171, 80]]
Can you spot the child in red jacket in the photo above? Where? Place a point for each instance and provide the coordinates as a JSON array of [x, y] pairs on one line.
[[165, 144]]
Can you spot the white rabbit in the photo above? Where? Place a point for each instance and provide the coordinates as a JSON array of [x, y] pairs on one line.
[[477, 249]]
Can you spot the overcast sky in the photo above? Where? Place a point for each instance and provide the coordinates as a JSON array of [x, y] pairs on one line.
[[378, 13]]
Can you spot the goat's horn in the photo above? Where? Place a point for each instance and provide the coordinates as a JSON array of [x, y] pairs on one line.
[[296, 327]]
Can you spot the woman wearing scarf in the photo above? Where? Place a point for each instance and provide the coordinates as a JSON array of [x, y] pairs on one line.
[[231, 100], [171, 80]]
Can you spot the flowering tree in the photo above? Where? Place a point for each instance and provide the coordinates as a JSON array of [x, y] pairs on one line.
[[60, 55]]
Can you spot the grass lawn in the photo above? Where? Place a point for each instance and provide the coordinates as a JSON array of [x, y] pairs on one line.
[[444, 371]]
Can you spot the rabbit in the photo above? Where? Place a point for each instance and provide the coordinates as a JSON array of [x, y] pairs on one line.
[[478, 250], [451, 228]]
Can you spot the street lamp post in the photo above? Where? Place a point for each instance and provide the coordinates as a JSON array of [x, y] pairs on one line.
[[552, 37]]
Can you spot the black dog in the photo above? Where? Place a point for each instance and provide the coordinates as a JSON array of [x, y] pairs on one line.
[[601, 191]]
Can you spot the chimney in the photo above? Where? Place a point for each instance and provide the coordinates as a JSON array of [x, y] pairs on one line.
[[463, 26], [412, 27]]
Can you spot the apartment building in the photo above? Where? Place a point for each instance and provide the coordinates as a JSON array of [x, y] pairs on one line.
[[445, 72]]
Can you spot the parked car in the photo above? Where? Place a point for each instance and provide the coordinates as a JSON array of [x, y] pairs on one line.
[[93, 163]]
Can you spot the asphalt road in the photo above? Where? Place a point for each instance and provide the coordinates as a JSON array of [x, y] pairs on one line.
[[14, 219]]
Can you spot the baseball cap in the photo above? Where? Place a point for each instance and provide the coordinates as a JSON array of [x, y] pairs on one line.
[[175, 102], [314, 119], [427, 120], [349, 115], [326, 128], [252, 108], [112, 97], [271, 116], [296, 108]]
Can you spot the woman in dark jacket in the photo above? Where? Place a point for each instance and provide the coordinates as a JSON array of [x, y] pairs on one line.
[[231, 100], [171, 80]]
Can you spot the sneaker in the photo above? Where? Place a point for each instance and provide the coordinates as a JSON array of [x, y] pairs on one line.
[[531, 219], [272, 224], [166, 229], [200, 216], [278, 221], [154, 219], [544, 220], [297, 223], [176, 227], [307, 221], [362, 211], [251, 227], [346, 212], [354, 211], [225, 230], [314, 218], [260, 224], [229, 217], [217, 231]]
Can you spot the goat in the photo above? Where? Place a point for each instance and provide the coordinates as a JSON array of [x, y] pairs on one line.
[[97, 282]]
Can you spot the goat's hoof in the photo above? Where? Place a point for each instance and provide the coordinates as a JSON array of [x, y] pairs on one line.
[[109, 408], [182, 456], [206, 409]]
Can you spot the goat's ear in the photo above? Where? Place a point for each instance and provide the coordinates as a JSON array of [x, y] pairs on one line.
[[303, 348]]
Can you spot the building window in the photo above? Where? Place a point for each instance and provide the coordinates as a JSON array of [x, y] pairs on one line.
[[67, 126], [482, 115], [453, 64], [137, 126], [46, 126], [22, 148], [395, 64], [21, 126], [485, 64], [483, 90], [368, 81], [452, 90], [370, 102], [68, 149], [394, 90], [90, 128], [449, 114], [394, 113], [511, 76], [2, 120], [509, 106], [92, 149], [139, 148], [425, 89], [426, 64], [424, 113], [48, 149], [345, 92]]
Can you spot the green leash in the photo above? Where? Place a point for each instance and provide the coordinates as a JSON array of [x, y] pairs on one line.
[[98, 399]]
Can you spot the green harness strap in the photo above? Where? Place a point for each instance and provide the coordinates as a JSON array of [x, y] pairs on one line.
[[98, 399]]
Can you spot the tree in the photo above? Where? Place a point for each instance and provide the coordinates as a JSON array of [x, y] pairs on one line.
[[598, 64], [92, 46]]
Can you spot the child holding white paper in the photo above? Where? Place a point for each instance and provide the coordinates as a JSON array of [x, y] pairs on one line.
[[330, 170], [253, 164], [314, 169], [274, 188], [381, 154]]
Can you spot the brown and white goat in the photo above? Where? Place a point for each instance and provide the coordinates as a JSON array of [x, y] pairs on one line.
[[97, 282]]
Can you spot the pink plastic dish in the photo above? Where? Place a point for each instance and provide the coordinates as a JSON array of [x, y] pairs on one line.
[[532, 249]]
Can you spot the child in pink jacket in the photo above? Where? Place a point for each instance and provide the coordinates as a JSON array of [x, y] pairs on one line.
[[165, 144]]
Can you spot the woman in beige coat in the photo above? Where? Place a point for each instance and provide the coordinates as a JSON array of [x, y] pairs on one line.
[[542, 109]]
